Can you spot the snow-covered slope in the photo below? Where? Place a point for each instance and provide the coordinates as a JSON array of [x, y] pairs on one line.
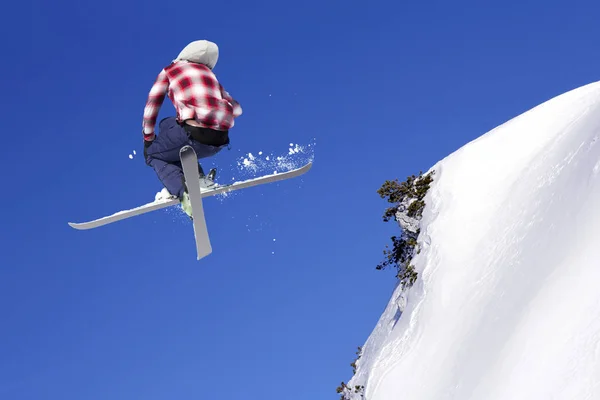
[[507, 304]]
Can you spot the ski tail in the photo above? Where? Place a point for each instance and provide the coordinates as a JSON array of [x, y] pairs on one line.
[[189, 162]]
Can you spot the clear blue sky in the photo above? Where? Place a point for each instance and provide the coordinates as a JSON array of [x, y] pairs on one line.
[[125, 311]]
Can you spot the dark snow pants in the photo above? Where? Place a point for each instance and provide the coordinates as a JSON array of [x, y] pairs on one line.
[[163, 153]]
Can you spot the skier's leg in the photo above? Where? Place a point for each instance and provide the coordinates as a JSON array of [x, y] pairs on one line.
[[163, 155], [170, 139], [206, 151], [172, 177], [170, 174]]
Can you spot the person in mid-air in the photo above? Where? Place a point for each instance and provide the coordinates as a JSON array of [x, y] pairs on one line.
[[205, 113]]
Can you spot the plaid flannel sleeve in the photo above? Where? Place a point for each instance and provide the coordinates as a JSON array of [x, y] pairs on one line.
[[237, 108], [155, 100]]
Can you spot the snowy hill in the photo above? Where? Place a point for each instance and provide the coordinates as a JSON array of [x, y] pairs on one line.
[[507, 302]]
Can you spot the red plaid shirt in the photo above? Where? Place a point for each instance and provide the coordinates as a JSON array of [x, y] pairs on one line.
[[196, 94]]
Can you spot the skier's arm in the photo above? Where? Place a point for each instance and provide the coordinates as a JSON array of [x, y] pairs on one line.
[[155, 100], [237, 108]]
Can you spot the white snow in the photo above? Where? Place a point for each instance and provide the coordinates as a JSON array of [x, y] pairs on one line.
[[297, 156], [294, 149], [162, 195], [507, 303]]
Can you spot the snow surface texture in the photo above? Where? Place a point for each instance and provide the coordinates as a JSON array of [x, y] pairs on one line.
[[507, 303]]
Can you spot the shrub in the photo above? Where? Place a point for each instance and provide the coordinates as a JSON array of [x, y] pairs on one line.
[[345, 389], [405, 197]]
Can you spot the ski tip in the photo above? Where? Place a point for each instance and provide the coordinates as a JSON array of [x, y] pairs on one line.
[[75, 225], [186, 148], [305, 167]]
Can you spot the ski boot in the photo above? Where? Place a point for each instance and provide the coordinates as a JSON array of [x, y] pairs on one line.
[[207, 181], [211, 174], [184, 199], [186, 206]]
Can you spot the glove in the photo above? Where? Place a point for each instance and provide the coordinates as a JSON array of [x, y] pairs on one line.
[[147, 143]]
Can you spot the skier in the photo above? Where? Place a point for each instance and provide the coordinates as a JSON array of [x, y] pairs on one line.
[[205, 113]]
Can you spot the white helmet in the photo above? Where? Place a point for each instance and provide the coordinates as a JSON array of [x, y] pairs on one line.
[[200, 52]]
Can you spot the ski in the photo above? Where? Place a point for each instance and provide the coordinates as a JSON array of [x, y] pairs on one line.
[[189, 162], [205, 192]]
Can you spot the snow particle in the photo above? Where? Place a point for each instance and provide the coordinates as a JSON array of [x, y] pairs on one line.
[[261, 162], [130, 157]]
